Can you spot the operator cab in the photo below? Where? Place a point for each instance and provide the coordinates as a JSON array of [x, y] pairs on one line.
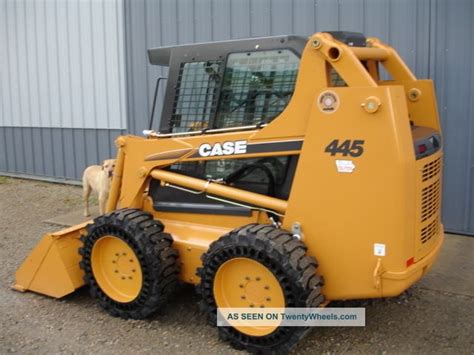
[[242, 84], [233, 83], [228, 84], [224, 85], [248, 83]]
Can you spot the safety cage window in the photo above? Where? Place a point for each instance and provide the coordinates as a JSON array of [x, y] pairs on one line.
[[252, 88], [195, 100], [257, 87]]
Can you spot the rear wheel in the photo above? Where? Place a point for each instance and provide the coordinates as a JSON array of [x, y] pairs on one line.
[[129, 263], [259, 266]]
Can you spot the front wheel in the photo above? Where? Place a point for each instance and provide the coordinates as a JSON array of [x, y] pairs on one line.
[[259, 266], [129, 263]]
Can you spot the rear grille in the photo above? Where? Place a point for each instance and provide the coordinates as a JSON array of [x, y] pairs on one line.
[[431, 169], [430, 200], [429, 231]]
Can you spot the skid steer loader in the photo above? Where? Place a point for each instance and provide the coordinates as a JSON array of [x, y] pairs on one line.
[[279, 161]]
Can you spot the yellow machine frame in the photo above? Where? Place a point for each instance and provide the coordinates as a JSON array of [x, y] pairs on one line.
[[342, 216]]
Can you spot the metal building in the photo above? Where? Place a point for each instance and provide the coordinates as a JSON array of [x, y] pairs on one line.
[[75, 74]]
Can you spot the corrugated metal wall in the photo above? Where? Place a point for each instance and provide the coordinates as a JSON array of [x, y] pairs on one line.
[[63, 85], [452, 69], [434, 37]]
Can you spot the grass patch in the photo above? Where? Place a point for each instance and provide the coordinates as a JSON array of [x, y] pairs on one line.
[[4, 180]]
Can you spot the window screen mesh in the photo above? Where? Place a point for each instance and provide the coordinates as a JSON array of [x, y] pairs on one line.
[[256, 87], [195, 100]]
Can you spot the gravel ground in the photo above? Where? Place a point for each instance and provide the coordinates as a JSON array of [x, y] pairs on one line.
[[419, 321]]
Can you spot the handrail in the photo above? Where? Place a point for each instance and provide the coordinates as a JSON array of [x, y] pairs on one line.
[[153, 134], [394, 64], [347, 59], [368, 53]]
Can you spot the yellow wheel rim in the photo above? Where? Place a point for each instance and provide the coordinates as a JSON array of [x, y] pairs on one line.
[[116, 269], [244, 282]]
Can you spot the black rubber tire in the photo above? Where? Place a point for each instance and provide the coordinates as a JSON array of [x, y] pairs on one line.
[[286, 257], [153, 248]]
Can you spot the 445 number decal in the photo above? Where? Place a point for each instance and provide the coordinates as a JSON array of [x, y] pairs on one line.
[[354, 148]]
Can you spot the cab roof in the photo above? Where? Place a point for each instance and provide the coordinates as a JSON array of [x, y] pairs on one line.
[[163, 55]]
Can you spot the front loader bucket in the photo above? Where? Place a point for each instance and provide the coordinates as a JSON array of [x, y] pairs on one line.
[[52, 268]]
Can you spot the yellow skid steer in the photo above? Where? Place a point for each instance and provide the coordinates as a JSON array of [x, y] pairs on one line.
[[285, 172]]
